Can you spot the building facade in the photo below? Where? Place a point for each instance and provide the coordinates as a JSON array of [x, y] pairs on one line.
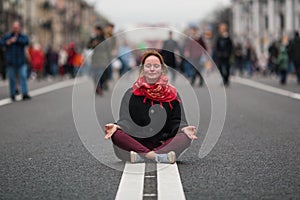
[[263, 21], [51, 22]]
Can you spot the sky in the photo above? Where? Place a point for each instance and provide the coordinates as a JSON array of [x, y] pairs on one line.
[[177, 13]]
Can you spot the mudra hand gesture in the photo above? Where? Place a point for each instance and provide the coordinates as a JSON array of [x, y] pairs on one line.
[[110, 129], [190, 131]]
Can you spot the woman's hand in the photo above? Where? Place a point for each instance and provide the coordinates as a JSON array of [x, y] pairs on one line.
[[110, 129], [190, 131]]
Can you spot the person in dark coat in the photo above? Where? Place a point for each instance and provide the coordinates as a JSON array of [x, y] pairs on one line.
[[295, 52], [224, 49], [273, 51], [100, 58], [152, 123], [239, 58], [168, 53], [15, 58]]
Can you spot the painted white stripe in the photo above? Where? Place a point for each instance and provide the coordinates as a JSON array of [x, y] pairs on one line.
[[168, 182], [46, 89], [149, 195], [132, 182], [266, 88], [150, 176]]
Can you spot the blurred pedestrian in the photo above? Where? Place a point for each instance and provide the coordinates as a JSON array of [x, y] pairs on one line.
[[30, 73], [78, 62], [250, 58], [70, 61], [112, 49], [168, 52], [2, 63], [124, 55], [239, 58], [165, 136], [223, 48], [51, 61], [16, 63], [295, 52], [38, 60], [282, 63], [273, 54], [290, 54], [62, 60], [194, 52], [101, 57]]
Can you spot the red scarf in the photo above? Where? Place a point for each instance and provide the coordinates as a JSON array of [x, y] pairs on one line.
[[161, 91]]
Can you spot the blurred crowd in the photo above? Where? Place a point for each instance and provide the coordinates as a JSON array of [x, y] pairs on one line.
[[191, 57]]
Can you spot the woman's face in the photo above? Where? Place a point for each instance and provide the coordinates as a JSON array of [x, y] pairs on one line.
[[152, 69]]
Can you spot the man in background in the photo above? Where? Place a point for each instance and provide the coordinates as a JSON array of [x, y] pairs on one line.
[[16, 63], [224, 47]]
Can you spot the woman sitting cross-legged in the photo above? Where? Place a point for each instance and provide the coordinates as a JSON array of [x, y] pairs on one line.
[[152, 123]]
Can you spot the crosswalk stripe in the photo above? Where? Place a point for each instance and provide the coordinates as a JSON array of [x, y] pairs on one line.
[[169, 184], [132, 182]]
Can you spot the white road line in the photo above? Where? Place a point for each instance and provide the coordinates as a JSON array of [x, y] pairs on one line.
[[149, 195], [267, 88], [169, 184], [132, 182], [44, 90]]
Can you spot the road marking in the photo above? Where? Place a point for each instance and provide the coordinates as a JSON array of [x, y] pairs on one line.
[[267, 88], [149, 195], [46, 89], [169, 184], [150, 176], [132, 182]]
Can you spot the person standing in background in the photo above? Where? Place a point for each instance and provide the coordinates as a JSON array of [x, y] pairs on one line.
[[250, 58], [282, 62], [194, 50], [124, 55], [239, 58], [168, 53], [70, 61], [52, 61], [112, 50], [224, 49], [101, 56], [2, 63], [62, 60], [295, 49], [273, 54], [37, 60], [16, 62]]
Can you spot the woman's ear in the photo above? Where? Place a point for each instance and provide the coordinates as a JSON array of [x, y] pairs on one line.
[[165, 69], [141, 71]]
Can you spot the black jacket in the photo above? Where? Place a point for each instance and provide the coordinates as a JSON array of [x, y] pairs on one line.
[[224, 48], [140, 119]]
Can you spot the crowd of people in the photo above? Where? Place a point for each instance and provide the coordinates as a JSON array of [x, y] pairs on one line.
[[189, 57], [282, 59]]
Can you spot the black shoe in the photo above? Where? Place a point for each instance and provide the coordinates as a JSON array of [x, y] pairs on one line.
[[13, 98], [26, 97]]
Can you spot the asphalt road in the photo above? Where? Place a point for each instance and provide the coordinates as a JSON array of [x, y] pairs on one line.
[[256, 156]]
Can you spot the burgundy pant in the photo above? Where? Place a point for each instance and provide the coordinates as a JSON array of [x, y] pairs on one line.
[[124, 143]]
